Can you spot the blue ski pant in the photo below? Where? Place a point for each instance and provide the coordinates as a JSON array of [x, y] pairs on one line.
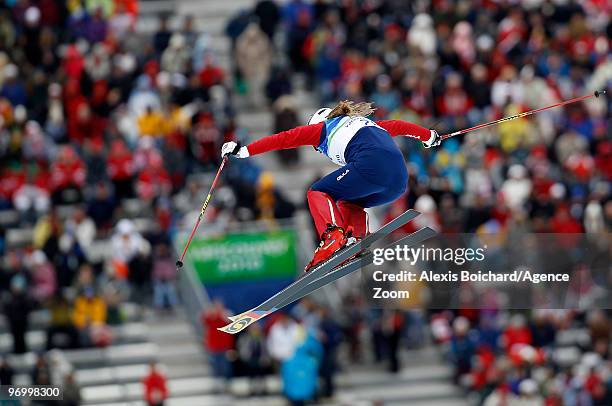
[[372, 178]]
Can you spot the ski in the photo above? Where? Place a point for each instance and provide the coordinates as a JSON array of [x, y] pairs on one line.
[[241, 321], [357, 263]]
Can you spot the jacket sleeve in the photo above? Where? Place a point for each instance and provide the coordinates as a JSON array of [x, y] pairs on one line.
[[296, 137], [404, 128]]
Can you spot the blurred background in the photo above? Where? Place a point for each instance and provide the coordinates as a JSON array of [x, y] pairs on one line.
[[112, 115]]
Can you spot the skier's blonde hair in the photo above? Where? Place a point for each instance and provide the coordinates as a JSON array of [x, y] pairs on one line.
[[352, 109]]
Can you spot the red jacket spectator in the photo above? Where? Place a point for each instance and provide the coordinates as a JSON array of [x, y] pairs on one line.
[[67, 170], [11, 179], [211, 74], [155, 387], [603, 159], [153, 179], [120, 162], [454, 101], [206, 138], [214, 340], [564, 223], [74, 63], [517, 333]]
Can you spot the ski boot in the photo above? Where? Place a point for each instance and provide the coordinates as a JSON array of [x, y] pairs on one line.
[[332, 240]]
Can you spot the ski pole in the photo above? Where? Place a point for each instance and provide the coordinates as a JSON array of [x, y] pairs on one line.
[[597, 93], [179, 263]]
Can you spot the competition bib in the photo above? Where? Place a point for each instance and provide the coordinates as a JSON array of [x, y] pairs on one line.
[[339, 132]]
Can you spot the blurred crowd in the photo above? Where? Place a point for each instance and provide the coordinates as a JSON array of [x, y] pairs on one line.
[[451, 65], [300, 345], [545, 357], [99, 122]]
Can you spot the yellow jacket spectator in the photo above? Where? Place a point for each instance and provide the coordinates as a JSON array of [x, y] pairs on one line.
[[516, 133], [151, 123], [178, 120], [89, 309]]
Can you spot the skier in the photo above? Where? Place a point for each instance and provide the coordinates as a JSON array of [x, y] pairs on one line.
[[372, 170]]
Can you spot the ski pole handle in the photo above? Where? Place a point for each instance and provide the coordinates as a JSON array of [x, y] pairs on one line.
[[179, 263]]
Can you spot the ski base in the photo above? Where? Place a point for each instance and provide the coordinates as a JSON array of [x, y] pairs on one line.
[[243, 320]]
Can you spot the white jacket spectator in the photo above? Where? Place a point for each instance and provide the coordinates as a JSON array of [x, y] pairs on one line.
[[126, 243], [517, 188], [422, 34], [31, 197], [283, 337], [177, 56], [83, 228], [506, 88]]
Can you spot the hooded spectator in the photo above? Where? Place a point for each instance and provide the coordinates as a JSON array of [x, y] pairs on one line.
[[177, 56], [300, 370], [254, 59], [127, 243]]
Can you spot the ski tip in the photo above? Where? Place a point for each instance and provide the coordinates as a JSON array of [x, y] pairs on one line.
[[238, 324], [234, 317]]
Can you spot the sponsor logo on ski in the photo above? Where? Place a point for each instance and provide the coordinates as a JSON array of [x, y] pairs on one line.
[[239, 324]]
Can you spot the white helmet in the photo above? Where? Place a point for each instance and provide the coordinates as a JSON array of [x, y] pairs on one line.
[[319, 116]]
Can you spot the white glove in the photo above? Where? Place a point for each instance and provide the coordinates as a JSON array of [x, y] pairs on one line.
[[233, 148], [433, 141]]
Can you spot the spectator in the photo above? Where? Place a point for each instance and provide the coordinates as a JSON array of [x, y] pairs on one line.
[[162, 36], [41, 373], [217, 343], [120, 166], [177, 55], [517, 188], [61, 332], [17, 307], [330, 338], [83, 227], [299, 371], [44, 283], [12, 87], [90, 317], [164, 278], [252, 351], [31, 199], [67, 177], [155, 387], [393, 327], [286, 118], [282, 338], [462, 347], [71, 392], [151, 123], [6, 372], [121, 22], [101, 206], [254, 58], [126, 244]]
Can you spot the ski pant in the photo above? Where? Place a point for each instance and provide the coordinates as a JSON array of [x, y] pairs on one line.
[[373, 178]]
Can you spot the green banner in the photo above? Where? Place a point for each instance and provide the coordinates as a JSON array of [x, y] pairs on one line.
[[244, 256]]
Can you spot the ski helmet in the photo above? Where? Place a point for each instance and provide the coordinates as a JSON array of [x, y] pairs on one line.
[[319, 115]]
